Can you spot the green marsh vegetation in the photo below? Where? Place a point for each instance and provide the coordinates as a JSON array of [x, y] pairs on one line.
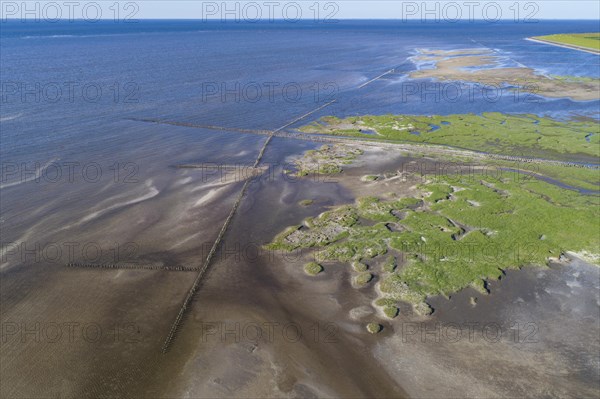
[[388, 305], [390, 264], [369, 178], [313, 268], [391, 311], [374, 328], [491, 132], [327, 160], [573, 79], [584, 178], [461, 232], [363, 279], [359, 266]]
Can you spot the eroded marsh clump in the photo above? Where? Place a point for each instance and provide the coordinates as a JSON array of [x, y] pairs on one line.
[[374, 328], [313, 268], [306, 202], [327, 160], [362, 279]]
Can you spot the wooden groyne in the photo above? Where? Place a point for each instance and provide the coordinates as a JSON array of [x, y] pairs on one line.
[[199, 126], [202, 270], [131, 266], [192, 291], [279, 132], [376, 78], [376, 142]]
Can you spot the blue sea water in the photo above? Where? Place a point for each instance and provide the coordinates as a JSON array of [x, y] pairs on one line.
[[75, 94], [72, 85]]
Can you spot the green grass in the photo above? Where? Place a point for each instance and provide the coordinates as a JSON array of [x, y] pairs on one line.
[[462, 230], [327, 160], [586, 40], [491, 132], [374, 209], [359, 266], [390, 264], [363, 279], [391, 311], [573, 79], [374, 328], [369, 178], [385, 302], [329, 169], [463, 233], [504, 232], [313, 268], [584, 178]]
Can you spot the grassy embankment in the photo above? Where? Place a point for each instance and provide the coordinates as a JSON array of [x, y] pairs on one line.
[[590, 41]]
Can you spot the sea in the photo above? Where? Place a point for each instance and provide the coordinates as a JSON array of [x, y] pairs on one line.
[[129, 144], [93, 111], [72, 87]]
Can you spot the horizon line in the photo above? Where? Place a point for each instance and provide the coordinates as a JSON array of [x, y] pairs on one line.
[[299, 20]]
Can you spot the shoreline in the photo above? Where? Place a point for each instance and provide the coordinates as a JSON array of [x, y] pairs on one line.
[[356, 307], [568, 46]]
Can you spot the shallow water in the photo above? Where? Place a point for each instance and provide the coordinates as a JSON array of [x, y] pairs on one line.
[[80, 173]]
